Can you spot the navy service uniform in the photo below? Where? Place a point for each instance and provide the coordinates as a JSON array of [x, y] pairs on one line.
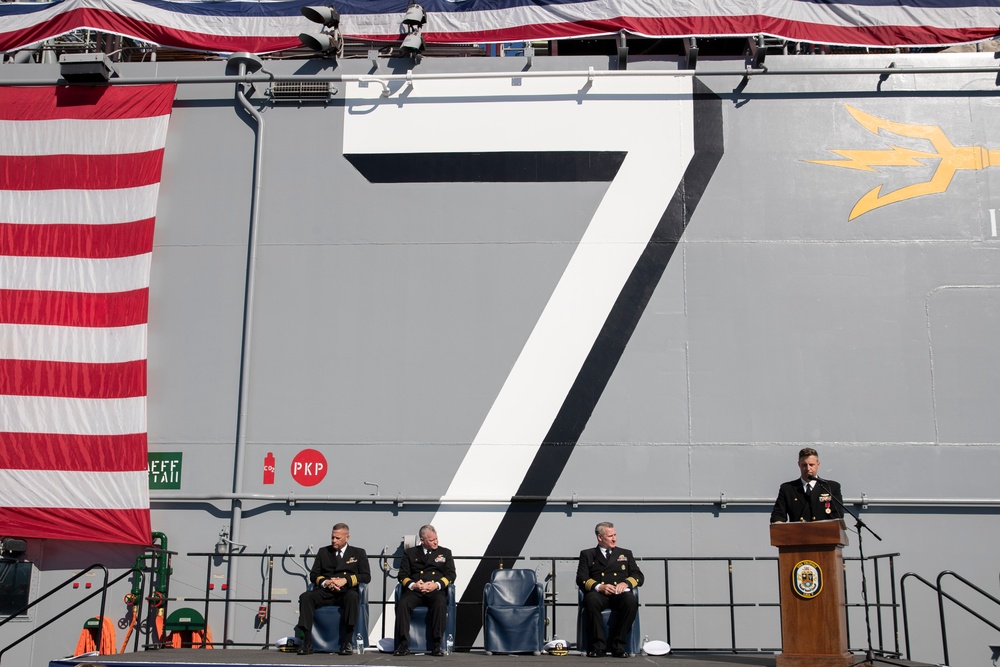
[[793, 504], [437, 566], [327, 565], [596, 568]]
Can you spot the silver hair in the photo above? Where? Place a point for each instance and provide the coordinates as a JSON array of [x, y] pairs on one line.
[[602, 526]]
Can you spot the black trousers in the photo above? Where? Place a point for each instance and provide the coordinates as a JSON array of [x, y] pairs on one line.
[[347, 599], [437, 611], [624, 608]]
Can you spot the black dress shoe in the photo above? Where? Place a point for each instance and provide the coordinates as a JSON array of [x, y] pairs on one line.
[[596, 653], [438, 652], [619, 654], [402, 649], [346, 650], [305, 649]]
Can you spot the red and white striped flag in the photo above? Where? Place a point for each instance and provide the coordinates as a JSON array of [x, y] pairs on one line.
[[79, 177]]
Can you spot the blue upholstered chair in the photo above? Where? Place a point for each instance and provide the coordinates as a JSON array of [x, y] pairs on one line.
[[418, 639], [513, 613], [633, 641], [328, 627]]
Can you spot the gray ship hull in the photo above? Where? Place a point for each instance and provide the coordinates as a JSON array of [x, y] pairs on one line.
[[514, 305]]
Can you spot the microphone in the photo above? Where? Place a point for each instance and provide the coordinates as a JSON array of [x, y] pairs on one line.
[[819, 480]]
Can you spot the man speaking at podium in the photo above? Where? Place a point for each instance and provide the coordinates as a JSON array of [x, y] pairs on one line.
[[808, 498]]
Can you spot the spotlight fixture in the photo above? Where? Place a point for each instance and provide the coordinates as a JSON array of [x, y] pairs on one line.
[[85, 67], [222, 546], [328, 39], [413, 21], [12, 547], [415, 17], [322, 41], [327, 15], [413, 44]]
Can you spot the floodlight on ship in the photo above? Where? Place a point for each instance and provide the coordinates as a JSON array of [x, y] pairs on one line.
[[413, 44], [415, 17], [329, 39], [12, 548], [413, 21]]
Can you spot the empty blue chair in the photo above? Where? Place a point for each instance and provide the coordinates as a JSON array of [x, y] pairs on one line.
[[328, 626], [633, 640], [417, 637], [514, 612]]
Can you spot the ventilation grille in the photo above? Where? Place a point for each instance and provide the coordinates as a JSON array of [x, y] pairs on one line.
[[302, 91]]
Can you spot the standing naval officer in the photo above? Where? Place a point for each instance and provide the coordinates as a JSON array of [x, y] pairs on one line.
[[335, 575], [808, 498], [607, 574]]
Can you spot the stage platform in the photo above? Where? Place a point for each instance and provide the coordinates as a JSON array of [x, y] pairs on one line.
[[274, 658]]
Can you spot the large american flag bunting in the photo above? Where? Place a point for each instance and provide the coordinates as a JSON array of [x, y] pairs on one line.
[[260, 27], [79, 177]]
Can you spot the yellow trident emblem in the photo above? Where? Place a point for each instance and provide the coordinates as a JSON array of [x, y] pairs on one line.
[[952, 158]]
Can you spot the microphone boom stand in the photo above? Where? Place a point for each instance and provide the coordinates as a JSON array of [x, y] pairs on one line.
[[869, 658]]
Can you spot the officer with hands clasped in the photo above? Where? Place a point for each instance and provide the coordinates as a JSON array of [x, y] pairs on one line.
[[336, 573], [425, 573], [607, 574]]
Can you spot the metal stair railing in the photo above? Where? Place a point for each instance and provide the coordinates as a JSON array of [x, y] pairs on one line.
[[941, 595], [265, 601], [878, 606], [102, 591]]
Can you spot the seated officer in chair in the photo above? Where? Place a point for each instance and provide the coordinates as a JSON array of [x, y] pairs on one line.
[[335, 575], [607, 574], [425, 573]]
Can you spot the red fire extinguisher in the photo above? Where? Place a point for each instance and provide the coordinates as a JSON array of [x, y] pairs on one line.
[[269, 468]]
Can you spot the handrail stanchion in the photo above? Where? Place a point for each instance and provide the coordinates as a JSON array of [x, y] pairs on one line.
[[666, 595], [732, 606], [847, 602], [554, 596], [385, 598], [878, 603], [906, 617], [944, 631], [208, 589], [895, 611], [267, 610]]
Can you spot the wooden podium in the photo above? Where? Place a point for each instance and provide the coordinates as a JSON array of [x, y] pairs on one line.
[[813, 608]]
